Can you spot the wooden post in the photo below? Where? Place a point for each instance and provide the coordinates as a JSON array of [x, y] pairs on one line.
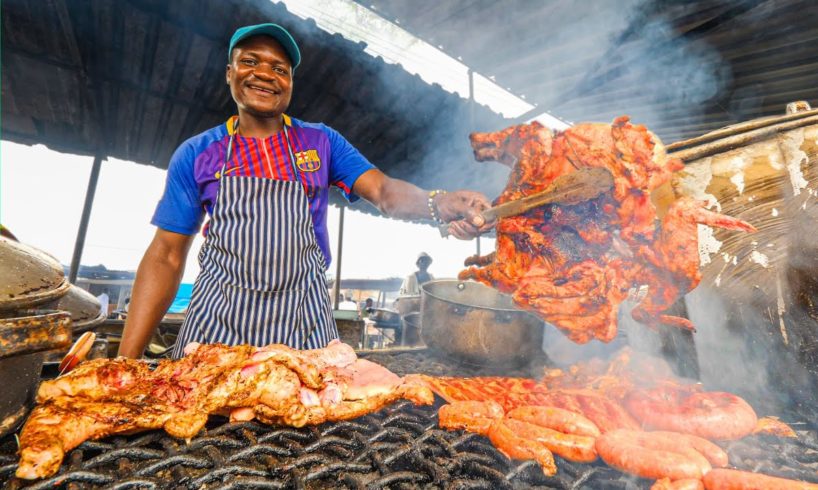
[[338, 258], [86, 216]]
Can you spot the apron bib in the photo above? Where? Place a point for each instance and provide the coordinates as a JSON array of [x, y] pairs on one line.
[[262, 272]]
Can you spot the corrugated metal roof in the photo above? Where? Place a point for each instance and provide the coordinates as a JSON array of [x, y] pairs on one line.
[[132, 79], [683, 68]]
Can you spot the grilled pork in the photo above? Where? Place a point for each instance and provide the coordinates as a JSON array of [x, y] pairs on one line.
[[275, 384], [574, 265]]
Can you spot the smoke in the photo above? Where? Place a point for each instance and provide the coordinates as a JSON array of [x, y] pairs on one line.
[[580, 62], [646, 69]]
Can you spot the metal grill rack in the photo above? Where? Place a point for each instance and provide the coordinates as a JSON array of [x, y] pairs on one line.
[[399, 447]]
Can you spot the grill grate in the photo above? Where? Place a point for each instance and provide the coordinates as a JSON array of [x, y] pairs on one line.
[[398, 447]]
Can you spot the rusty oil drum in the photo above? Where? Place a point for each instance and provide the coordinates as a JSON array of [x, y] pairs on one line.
[[758, 299], [28, 276], [475, 324], [24, 337]]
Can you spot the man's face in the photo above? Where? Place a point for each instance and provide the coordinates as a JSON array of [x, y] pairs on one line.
[[260, 77], [424, 263]]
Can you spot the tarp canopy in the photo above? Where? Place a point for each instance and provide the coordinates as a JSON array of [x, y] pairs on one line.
[[133, 79]]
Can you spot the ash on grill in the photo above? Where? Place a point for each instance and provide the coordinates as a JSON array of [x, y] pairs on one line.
[[398, 447]]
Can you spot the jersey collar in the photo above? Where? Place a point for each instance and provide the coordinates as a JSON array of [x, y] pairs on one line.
[[288, 121]]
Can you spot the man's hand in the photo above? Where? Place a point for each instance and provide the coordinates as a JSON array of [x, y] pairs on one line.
[[461, 209]]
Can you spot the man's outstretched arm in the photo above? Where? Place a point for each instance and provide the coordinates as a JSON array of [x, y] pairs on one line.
[[400, 199]]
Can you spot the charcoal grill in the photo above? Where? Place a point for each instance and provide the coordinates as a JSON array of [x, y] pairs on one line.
[[398, 447]]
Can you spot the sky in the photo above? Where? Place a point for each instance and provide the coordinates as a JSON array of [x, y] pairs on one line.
[[42, 193]]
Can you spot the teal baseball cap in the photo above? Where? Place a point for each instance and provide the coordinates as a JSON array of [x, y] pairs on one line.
[[274, 31]]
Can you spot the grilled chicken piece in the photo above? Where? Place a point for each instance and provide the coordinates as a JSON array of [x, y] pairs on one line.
[[574, 265], [275, 384]]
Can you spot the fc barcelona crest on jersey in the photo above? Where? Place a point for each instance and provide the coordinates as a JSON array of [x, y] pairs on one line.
[[307, 161]]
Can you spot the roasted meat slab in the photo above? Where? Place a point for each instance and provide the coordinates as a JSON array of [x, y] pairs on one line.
[[274, 384], [574, 265]]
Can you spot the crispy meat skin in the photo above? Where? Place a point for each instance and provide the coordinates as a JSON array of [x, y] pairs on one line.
[[574, 265], [275, 384]]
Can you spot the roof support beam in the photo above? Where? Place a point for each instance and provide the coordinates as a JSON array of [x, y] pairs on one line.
[[86, 216]]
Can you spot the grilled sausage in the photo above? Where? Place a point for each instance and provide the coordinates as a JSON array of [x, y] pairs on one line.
[[712, 415], [653, 457], [712, 452], [472, 416], [686, 484], [722, 479], [508, 443], [581, 449], [556, 418]]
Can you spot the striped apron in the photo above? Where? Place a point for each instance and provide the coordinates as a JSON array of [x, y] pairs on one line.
[[262, 272]]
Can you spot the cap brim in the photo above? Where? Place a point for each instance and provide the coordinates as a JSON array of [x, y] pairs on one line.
[[276, 32]]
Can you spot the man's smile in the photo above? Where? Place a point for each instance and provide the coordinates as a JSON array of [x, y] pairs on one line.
[[262, 90]]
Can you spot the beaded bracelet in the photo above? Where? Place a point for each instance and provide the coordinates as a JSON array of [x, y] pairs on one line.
[[431, 202]]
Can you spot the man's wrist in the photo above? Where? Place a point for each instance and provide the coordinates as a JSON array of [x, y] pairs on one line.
[[432, 202]]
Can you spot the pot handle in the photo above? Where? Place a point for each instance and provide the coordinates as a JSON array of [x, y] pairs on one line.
[[36, 333]]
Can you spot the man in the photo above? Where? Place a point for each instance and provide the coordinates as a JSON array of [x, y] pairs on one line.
[[263, 179], [411, 285]]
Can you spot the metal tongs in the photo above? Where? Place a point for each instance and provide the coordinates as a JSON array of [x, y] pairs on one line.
[[581, 185]]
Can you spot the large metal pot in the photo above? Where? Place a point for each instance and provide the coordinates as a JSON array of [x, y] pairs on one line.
[[28, 276], [410, 329], [23, 341], [85, 309], [478, 325]]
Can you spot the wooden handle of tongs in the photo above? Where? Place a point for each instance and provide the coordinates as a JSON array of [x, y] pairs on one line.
[[579, 186]]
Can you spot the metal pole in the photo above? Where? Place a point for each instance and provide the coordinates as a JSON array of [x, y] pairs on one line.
[[471, 124], [86, 216], [471, 99], [338, 257]]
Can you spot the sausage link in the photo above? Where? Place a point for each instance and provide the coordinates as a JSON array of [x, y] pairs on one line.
[[712, 452], [712, 415], [473, 416], [581, 449], [650, 457], [508, 443], [556, 418], [686, 484], [722, 479]]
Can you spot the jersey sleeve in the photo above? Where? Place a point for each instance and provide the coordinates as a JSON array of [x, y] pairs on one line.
[[180, 210], [347, 163]]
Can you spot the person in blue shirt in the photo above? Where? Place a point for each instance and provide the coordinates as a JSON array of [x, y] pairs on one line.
[[262, 179]]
